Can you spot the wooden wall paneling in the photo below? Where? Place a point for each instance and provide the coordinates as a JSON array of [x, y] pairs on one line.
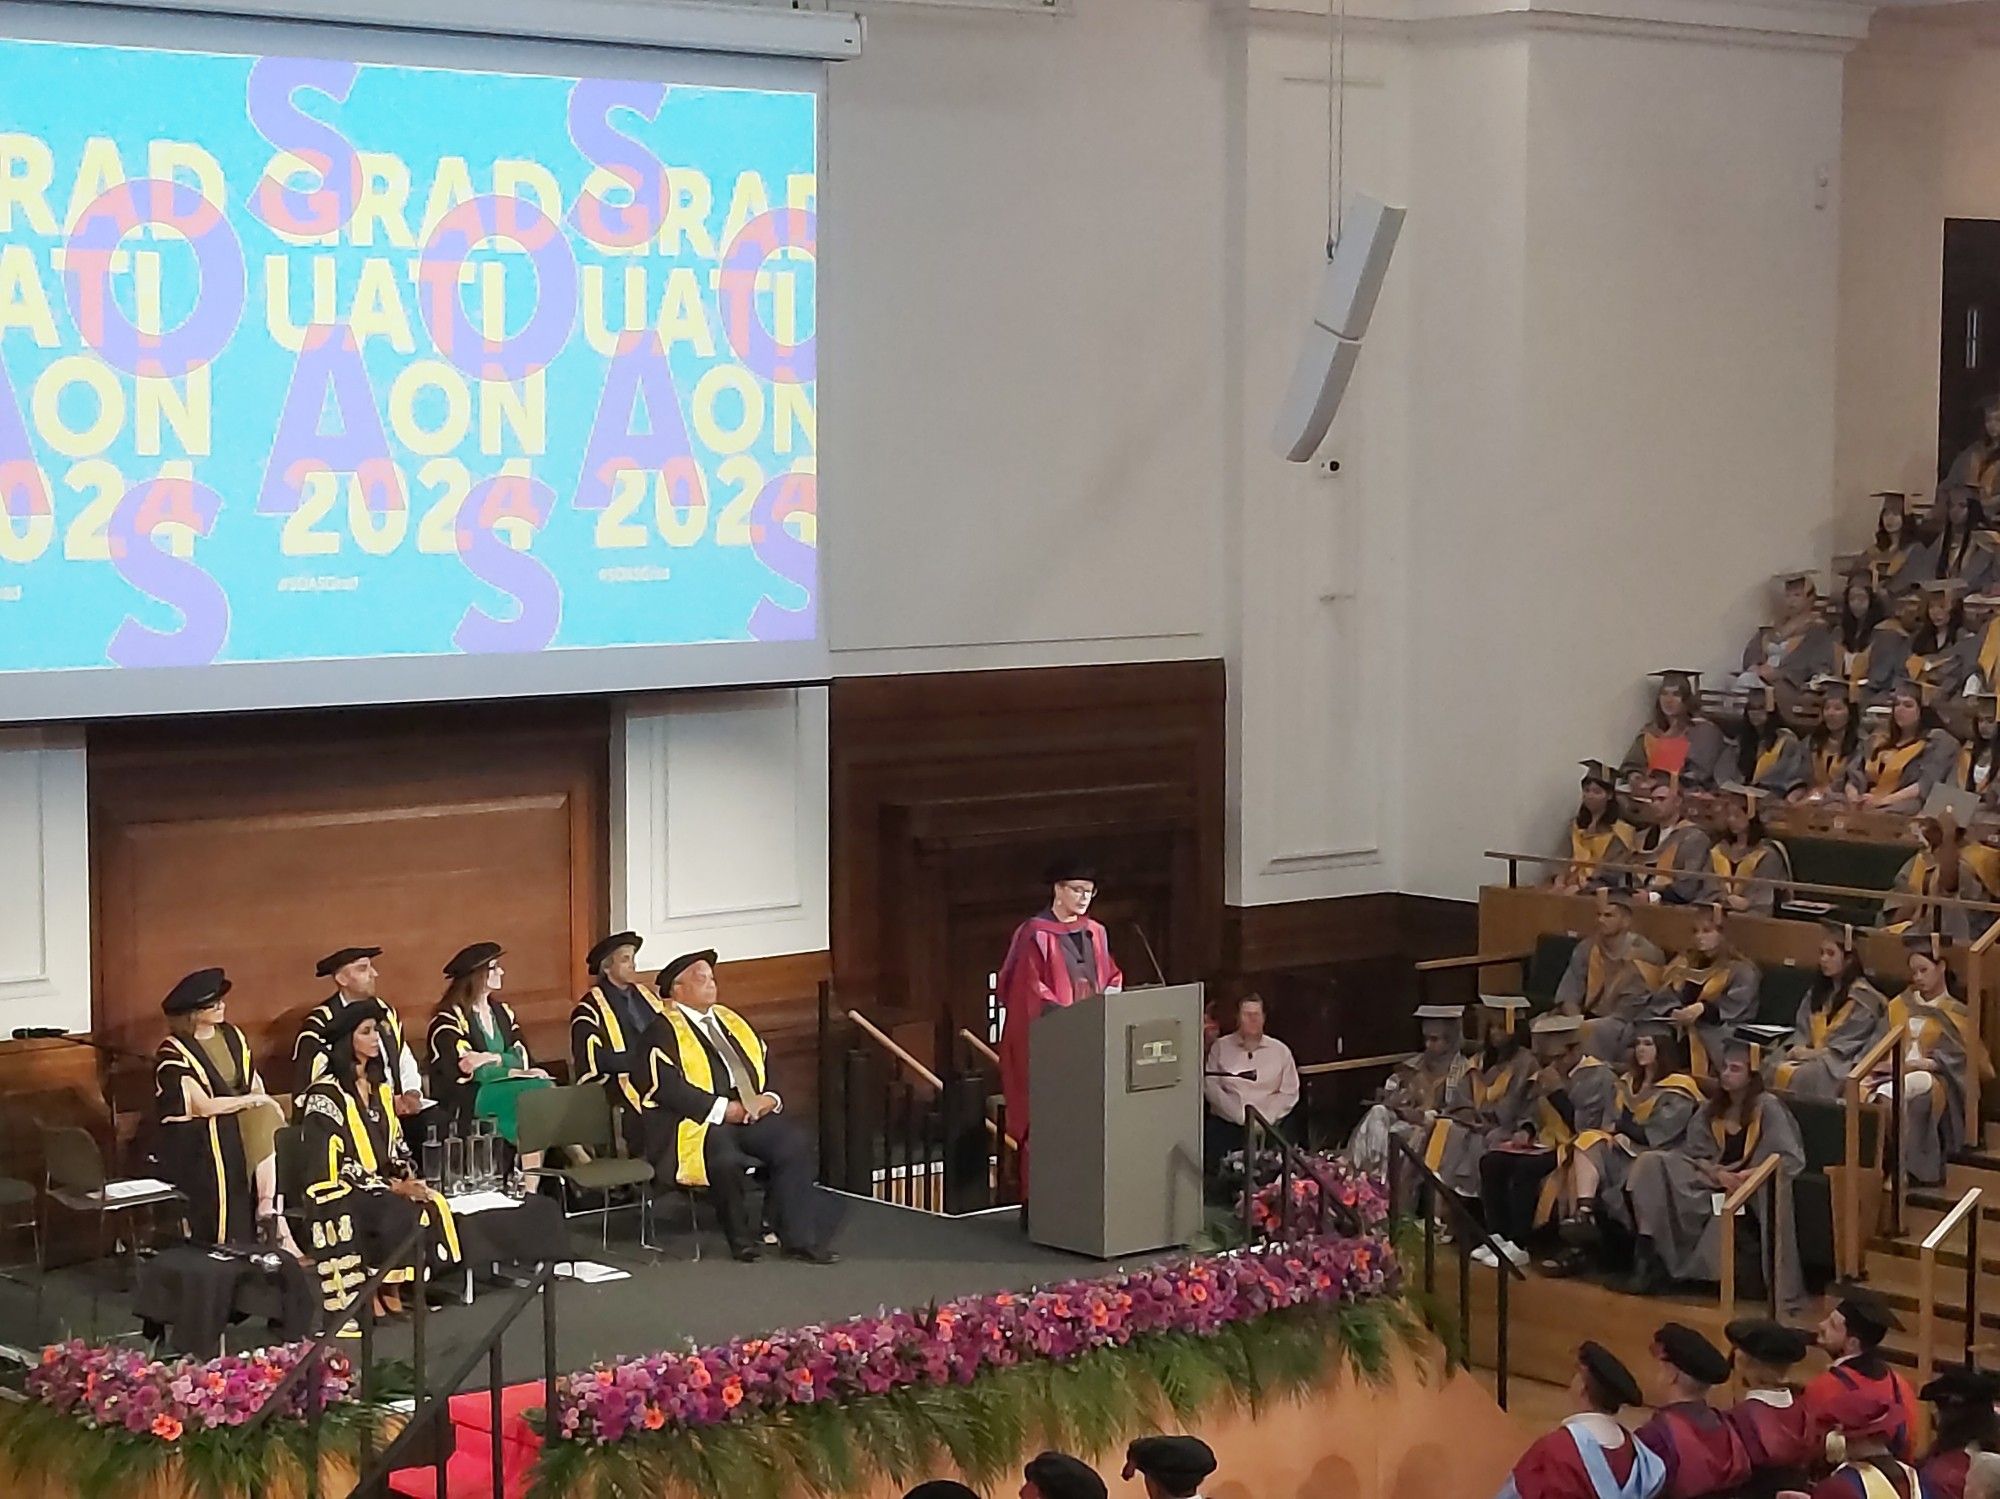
[[259, 844]]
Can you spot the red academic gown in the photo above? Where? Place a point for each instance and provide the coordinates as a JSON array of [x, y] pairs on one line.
[[1034, 977], [1783, 1442], [1551, 1468], [1870, 1372], [1702, 1451]]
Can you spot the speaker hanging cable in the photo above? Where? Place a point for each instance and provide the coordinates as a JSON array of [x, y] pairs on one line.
[[1336, 119]]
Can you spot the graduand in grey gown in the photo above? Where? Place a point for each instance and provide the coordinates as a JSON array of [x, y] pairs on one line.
[[1764, 860], [1913, 907], [1825, 1044], [1483, 1108], [1726, 987], [1679, 854], [1947, 668], [1799, 656], [1782, 766], [1921, 763], [1888, 662], [1934, 1120], [1652, 1117], [1420, 1086], [1673, 1205], [1705, 746], [1609, 989]]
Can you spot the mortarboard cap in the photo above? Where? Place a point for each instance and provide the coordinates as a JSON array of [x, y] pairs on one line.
[[1867, 1314], [1798, 575], [1612, 1379], [1691, 1353], [1942, 588], [604, 947], [350, 1019], [681, 965], [1750, 794], [1066, 867], [1177, 1464], [1960, 1385], [1555, 1023], [1839, 931], [1928, 943], [1510, 1004], [1766, 1341], [197, 991], [1677, 674], [333, 962], [1441, 1012], [1594, 773], [472, 959], [1057, 1475]]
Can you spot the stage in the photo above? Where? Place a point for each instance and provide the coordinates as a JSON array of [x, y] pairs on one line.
[[890, 1257]]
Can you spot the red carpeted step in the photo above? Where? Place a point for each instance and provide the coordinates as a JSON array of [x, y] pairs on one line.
[[469, 1470]]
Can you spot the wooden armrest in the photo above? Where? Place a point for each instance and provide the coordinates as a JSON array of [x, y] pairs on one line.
[[1765, 1170], [1986, 938], [1951, 1219], [1355, 1064], [1474, 960]]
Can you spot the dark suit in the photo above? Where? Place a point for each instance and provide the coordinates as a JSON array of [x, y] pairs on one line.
[[805, 1218]]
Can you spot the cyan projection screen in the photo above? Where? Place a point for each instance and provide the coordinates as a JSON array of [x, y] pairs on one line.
[[342, 365]]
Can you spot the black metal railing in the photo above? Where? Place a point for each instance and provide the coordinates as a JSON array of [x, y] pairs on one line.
[[1407, 1169]]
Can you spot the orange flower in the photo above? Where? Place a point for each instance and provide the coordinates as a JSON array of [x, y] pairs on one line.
[[655, 1418], [167, 1428], [1197, 1292], [732, 1392], [698, 1375], [1100, 1315]]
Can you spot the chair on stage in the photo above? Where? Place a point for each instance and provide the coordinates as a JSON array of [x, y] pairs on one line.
[[73, 1177], [580, 1116], [16, 1196]]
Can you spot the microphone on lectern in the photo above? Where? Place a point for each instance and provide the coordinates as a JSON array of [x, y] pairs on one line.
[[1151, 956]]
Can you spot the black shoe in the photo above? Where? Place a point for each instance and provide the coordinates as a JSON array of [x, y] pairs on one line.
[[1649, 1276], [813, 1256], [748, 1253]]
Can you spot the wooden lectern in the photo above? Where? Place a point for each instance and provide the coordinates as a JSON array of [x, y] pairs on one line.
[[1114, 1089]]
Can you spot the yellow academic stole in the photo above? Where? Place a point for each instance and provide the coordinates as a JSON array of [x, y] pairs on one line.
[[1888, 764]]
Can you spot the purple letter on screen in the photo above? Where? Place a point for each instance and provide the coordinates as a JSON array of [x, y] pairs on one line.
[[639, 372], [329, 361], [445, 254], [755, 243], [790, 558], [175, 581], [609, 225], [491, 560], [218, 303], [328, 207]]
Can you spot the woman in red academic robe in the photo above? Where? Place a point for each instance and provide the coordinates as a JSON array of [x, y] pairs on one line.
[[1055, 958]]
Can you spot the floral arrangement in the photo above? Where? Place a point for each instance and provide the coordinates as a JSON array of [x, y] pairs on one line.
[[122, 1388], [976, 1380], [1363, 1197]]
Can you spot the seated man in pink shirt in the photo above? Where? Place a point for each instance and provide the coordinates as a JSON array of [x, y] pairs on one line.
[[1245, 1068]]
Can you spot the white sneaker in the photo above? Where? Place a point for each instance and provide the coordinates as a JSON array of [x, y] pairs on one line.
[[1514, 1251], [1484, 1256]]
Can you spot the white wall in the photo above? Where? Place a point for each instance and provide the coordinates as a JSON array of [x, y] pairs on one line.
[[44, 881]]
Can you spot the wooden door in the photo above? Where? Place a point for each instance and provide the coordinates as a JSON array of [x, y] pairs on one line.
[[260, 843], [1969, 335]]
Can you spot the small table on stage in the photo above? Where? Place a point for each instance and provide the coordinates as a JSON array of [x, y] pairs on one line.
[[192, 1292]]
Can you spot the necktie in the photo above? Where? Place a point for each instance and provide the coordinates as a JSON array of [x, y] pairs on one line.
[[739, 1073]]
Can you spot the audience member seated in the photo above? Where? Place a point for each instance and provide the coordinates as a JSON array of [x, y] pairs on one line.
[[1057, 1475], [1976, 469], [1797, 648], [1597, 835], [1765, 753], [1675, 849], [1173, 1467], [356, 982], [1979, 759], [1707, 991], [1518, 1185], [1673, 1191], [1494, 1096], [1744, 852], [617, 1040], [1655, 1101], [1854, 626], [1677, 741], [217, 1123], [1890, 648], [1777, 1430], [1860, 1378], [1906, 759], [1590, 1455], [1246, 1069], [1415, 1093], [1839, 1018], [1945, 653], [1943, 868], [1962, 1399], [1938, 1057], [1834, 746], [479, 1062], [1963, 544], [1698, 1445], [1610, 978], [1899, 559]]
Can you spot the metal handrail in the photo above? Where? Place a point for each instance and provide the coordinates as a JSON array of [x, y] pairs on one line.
[[1797, 886], [1888, 1047], [1966, 1211], [1763, 1177], [1431, 1190]]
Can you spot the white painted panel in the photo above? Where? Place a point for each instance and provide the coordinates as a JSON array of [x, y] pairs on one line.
[[44, 882]]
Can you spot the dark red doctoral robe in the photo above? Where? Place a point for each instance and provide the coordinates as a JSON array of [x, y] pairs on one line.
[[1702, 1451], [1845, 1483], [1033, 978], [1869, 1373], [1944, 1474], [1551, 1468], [1783, 1442]]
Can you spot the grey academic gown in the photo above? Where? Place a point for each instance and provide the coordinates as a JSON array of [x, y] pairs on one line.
[[1675, 1208], [1727, 990], [1888, 662], [1654, 1117], [1680, 855], [1609, 989], [1766, 860], [1825, 1044], [1782, 768], [1947, 668], [1912, 904], [1418, 1088], [1885, 768], [1934, 1122], [1486, 1110], [1801, 656], [1705, 748]]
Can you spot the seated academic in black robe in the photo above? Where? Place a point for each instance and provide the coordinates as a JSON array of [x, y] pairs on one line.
[[617, 1039], [217, 1126]]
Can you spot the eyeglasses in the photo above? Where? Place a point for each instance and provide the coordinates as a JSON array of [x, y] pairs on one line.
[[1079, 887]]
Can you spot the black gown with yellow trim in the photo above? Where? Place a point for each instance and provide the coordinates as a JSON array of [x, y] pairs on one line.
[[204, 1158], [310, 1061]]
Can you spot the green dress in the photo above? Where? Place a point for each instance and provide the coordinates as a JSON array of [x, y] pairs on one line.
[[498, 1092]]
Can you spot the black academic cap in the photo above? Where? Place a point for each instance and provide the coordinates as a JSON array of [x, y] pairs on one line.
[[606, 946], [1595, 774], [349, 1020], [681, 965], [1868, 1315], [1066, 867], [1691, 1353], [940, 1488], [1178, 1463], [333, 962], [1962, 1385], [472, 959], [1057, 1475], [1613, 1380], [1766, 1341], [1925, 942], [1838, 931], [197, 991]]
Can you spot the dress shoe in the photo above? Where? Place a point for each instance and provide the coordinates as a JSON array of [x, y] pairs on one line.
[[813, 1256], [748, 1253]]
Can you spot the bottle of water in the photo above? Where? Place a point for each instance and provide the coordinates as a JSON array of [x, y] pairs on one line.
[[482, 1154], [433, 1156], [454, 1160]]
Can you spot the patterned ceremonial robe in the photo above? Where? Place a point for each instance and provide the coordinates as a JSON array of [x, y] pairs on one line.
[[1036, 976], [604, 1048]]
